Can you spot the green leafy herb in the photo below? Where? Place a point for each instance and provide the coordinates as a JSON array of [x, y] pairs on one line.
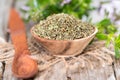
[[117, 46], [106, 26], [106, 31], [101, 36]]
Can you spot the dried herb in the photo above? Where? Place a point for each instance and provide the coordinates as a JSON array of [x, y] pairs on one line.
[[63, 27]]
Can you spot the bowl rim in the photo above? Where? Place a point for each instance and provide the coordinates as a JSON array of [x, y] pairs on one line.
[[40, 38]]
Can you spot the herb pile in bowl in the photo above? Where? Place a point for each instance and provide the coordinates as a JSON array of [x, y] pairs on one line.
[[63, 27]]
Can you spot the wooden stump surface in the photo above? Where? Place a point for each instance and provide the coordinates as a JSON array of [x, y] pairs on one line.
[[96, 63]]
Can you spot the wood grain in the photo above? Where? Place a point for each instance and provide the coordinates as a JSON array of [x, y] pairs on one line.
[[76, 69]]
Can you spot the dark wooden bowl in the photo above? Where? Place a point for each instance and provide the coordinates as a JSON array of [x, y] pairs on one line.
[[64, 47]]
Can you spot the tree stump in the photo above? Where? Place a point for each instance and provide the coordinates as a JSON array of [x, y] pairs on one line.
[[95, 63]]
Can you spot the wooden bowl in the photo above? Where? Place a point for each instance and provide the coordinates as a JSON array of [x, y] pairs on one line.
[[64, 47]]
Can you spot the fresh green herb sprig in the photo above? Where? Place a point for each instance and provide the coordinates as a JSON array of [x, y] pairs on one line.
[[107, 31]]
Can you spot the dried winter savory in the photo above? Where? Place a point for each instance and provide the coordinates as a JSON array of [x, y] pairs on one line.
[[63, 27]]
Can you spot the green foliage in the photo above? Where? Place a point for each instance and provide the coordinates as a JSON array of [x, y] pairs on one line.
[[40, 9], [106, 31], [117, 46], [101, 36], [106, 26]]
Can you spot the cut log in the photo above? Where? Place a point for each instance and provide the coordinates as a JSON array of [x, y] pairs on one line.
[[94, 64], [8, 75], [1, 70], [117, 69]]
